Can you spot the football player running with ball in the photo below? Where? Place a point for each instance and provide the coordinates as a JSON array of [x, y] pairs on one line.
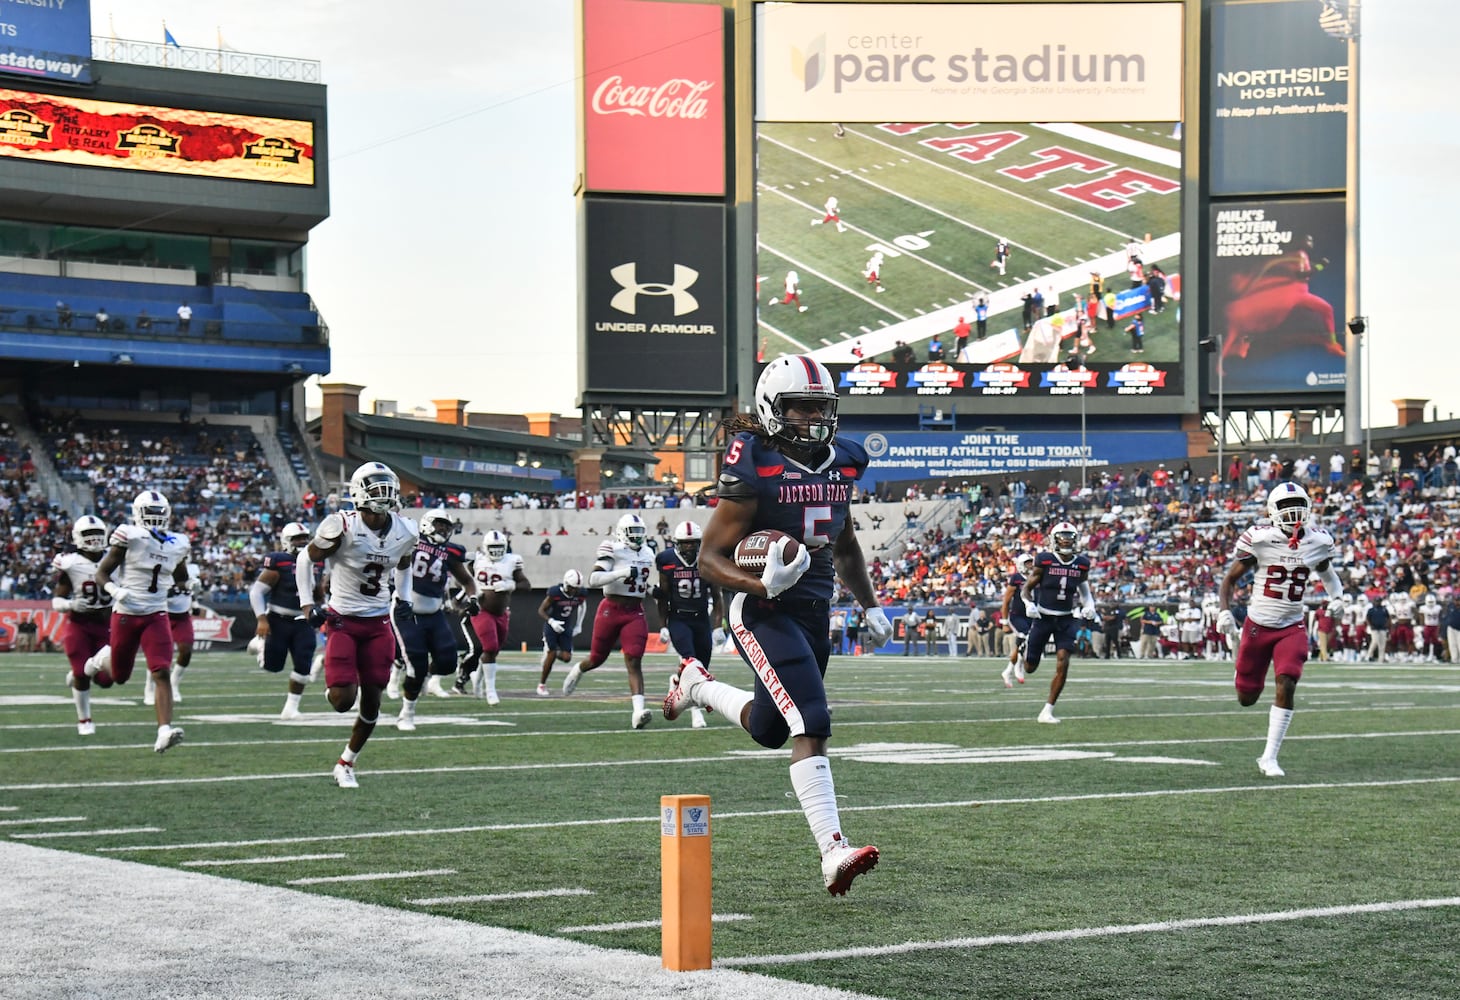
[[362, 547], [1283, 553], [623, 569], [787, 470]]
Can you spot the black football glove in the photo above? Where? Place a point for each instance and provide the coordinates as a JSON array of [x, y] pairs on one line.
[[472, 607], [318, 615]]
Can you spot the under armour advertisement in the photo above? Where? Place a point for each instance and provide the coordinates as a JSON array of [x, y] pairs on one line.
[[654, 97], [1277, 296], [654, 298], [1278, 113]]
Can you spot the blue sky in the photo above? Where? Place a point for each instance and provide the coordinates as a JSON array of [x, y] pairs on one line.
[[448, 266]]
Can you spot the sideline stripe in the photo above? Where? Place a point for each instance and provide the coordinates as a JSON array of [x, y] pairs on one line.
[[1074, 934], [279, 860], [757, 814], [371, 876], [497, 897], [641, 925]]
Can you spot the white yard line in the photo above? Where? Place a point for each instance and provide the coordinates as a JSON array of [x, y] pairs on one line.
[[497, 897], [371, 876], [1084, 933], [42, 819], [283, 859], [115, 832], [643, 925]]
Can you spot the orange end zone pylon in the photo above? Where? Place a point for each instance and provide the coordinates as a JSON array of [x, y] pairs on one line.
[[684, 862]]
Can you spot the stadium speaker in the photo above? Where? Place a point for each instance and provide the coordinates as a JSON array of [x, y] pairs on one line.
[[1357, 326]]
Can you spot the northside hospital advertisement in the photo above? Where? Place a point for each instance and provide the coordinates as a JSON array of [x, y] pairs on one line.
[[958, 455]]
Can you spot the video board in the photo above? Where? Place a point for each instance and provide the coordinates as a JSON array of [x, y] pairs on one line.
[[53, 128], [1042, 237]]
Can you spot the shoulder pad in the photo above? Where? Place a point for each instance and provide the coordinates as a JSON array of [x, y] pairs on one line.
[[59, 562], [456, 551], [851, 453], [605, 550], [331, 527], [122, 534]]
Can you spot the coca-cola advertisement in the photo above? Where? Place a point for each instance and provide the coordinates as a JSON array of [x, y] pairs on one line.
[[654, 97]]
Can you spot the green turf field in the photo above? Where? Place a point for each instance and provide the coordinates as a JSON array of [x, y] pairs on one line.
[[1131, 851], [935, 199]]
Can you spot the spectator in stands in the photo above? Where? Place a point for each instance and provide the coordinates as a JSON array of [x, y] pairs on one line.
[[64, 315], [103, 319], [184, 317], [144, 322]]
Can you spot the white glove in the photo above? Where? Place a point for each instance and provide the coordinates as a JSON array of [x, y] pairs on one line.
[[118, 592], [504, 586], [1089, 613], [62, 604], [879, 629], [1032, 612], [1225, 622], [779, 575], [556, 625], [717, 637], [195, 585], [664, 636], [1337, 606]]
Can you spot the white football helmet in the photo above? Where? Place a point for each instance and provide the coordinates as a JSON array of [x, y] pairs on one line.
[[572, 582], [494, 544], [632, 531], [375, 487], [687, 538], [1065, 538], [295, 536], [789, 379], [1288, 505], [437, 526], [89, 533], [1431, 600], [1023, 563], [151, 510]]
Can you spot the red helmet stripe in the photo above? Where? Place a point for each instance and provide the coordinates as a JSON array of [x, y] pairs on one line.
[[813, 375]]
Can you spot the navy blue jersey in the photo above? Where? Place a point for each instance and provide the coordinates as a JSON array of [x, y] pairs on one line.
[[809, 504], [285, 592], [562, 607], [1059, 582], [684, 592], [1016, 603], [431, 567]]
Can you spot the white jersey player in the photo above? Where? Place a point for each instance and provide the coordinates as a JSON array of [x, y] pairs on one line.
[[624, 569], [88, 614], [1283, 554], [1188, 622], [363, 547], [180, 618], [499, 574], [147, 560], [831, 214]]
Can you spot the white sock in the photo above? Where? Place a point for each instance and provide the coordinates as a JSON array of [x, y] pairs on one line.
[[164, 729], [177, 673], [638, 703], [1048, 708], [724, 698], [291, 700], [811, 778], [349, 755], [492, 676], [1009, 672], [1277, 728], [407, 709], [83, 704], [150, 685]]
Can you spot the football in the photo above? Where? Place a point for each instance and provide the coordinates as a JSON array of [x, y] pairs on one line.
[[750, 551]]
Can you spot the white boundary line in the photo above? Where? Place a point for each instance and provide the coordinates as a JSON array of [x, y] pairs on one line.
[[1078, 933]]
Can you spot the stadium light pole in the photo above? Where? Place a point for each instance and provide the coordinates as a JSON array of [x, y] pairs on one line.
[[1340, 19]]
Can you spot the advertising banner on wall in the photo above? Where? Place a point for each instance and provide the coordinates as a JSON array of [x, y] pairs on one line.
[[52, 128], [654, 294], [894, 457], [46, 40], [654, 97], [937, 381], [1277, 295], [987, 62], [1279, 100]]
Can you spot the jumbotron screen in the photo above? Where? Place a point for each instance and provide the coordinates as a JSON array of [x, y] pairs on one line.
[[1034, 253]]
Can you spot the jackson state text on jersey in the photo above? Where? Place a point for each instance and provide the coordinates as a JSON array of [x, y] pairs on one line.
[[430, 571], [614, 555], [810, 505], [687, 596], [81, 571], [151, 557], [1059, 582], [561, 607], [1282, 572]]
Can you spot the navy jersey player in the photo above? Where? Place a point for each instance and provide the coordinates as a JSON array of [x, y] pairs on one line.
[[561, 612], [786, 469], [690, 608], [424, 638], [1013, 619], [274, 597], [1056, 593]]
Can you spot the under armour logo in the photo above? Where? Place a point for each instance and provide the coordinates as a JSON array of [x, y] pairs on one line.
[[627, 277]]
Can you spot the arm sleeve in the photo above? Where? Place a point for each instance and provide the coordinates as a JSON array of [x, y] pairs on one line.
[[258, 597], [304, 579], [1331, 582]]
